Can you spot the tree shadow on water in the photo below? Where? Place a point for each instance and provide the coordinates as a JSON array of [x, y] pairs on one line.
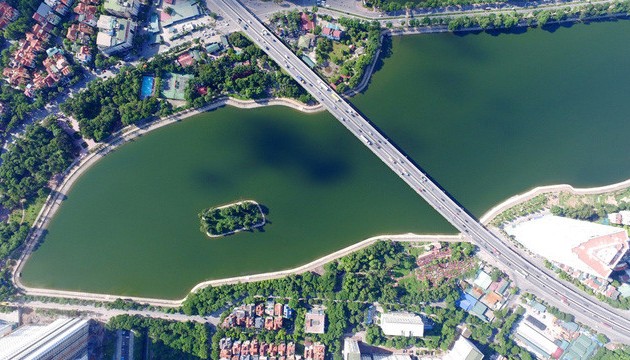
[[493, 32], [386, 52], [40, 240]]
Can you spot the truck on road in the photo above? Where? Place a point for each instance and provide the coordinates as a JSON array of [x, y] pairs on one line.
[[365, 140], [323, 86]]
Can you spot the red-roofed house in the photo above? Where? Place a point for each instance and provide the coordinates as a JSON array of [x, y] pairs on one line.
[[61, 9], [277, 323], [290, 349], [185, 59], [277, 309], [315, 351], [41, 31], [306, 23], [86, 13], [331, 33], [27, 52], [84, 54], [69, 3], [16, 76], [202, 90], [80, 33], [7, 14]]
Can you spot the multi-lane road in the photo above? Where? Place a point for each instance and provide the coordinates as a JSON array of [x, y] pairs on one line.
[[605, 319]]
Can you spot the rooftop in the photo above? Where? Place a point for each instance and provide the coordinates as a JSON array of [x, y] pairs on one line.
[[120, 6], [113, 31], [624, 290], [306, 23], [592, 248], [314, 321], [351, 349], [182, 10], [401, 318], [540, 341], [32, 340], [402, 324], [463, 350], [390, 357], [483, 280], [581, 348]]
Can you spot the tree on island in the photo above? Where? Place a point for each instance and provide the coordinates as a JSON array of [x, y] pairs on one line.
[[228, 219]]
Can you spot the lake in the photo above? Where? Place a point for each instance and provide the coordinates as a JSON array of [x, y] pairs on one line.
[[487, 116]]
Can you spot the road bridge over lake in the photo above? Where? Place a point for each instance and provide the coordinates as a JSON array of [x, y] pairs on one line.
[[529, 274]]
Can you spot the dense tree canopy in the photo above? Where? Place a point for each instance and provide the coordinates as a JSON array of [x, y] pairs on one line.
[[12, 234], [175, 340], [249, 74], [16, 29], [217, 221], [107, 105], [619, 354], [32, 161]]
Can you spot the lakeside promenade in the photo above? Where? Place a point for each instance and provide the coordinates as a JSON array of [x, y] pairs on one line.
[[312, 266], [526, 196], [130, 133], [82, 164]]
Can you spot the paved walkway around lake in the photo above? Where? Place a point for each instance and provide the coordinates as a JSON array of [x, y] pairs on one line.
[[82, 164], [239, 279]]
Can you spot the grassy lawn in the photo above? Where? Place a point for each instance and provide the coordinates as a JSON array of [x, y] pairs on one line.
[[568, 200], [31, 210], [338, 50], [416, 251]]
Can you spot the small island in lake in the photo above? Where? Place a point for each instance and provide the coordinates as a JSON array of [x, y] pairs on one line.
[[232, 218]]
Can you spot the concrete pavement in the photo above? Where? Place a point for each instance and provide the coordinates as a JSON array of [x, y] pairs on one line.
[[104, 314]]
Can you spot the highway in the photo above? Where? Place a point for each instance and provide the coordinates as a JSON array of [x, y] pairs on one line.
[[587, 310]]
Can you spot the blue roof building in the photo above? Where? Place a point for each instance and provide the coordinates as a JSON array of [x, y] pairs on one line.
[[466, 302], [287, 312]]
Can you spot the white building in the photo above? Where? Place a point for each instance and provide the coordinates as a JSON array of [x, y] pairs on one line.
[[402, 324], [463, 350], [62, 339], [351, 349], [391, 357], [535, 341], [620, 218], [588, 247], [115, 34]]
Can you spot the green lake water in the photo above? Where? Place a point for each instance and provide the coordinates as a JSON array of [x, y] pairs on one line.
[[487, 116]]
